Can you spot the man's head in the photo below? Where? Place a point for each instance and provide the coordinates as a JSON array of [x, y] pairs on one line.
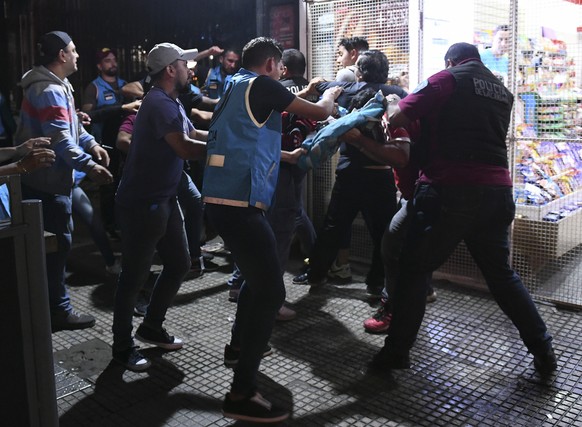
[[106, 60], [501, 36], [349, 49], [459, 52], [57, 50], [229, 62], [168, 63], [293, 63], [265, 54], [372, 67]]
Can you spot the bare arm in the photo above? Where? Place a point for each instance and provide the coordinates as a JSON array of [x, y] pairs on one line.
[[123, 141], [395, 153], [320, 110], [200, 135], [132, 90], [398, 119], [186, 147]]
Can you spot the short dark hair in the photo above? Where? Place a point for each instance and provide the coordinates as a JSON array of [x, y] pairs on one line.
[[460, 51], [259, 49], [373, 66], [294, 60], [358, 43]]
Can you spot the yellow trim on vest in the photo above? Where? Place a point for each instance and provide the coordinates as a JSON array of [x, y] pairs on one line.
[[215, 160]]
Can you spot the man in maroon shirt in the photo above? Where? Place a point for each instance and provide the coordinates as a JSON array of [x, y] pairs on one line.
[[464, 193]]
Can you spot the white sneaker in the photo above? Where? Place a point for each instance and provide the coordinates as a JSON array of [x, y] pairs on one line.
[[114, 268], [343, 272], [285, 314]]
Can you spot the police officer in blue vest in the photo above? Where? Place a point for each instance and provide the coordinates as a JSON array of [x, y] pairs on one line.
[[107, 107], [243, 152], [219, 75]]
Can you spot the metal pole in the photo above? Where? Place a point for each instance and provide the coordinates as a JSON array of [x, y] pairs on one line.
[[34, 308]]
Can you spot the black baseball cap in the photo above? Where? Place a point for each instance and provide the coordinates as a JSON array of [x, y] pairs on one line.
[[50, 45]]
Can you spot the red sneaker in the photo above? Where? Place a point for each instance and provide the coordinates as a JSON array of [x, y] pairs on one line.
[[379, 322]]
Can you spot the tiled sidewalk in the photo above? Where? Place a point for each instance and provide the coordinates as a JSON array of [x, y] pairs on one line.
[[469, 365]]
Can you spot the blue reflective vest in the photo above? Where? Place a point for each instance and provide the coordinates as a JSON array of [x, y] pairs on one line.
[[243, 155], [106, 96], [215, 83]]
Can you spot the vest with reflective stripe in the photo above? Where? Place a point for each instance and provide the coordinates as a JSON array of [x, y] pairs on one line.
[[243, 155]]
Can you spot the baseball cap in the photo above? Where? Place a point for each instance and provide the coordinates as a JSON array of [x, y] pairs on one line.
[[102, 53], [50, 45], [164, 54]]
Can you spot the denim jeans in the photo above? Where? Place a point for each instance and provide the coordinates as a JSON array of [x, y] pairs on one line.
[[56, 215], [191, 204], [145, 229], [83, 208], [371, 192], [251, 240], [441, 217]]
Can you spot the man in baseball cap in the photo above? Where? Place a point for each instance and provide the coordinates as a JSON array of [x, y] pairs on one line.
[[164, 54]]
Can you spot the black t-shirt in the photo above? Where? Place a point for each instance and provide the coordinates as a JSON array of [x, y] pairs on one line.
[[266, 95]]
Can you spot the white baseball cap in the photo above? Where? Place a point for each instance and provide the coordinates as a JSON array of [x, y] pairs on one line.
[[164, 54]]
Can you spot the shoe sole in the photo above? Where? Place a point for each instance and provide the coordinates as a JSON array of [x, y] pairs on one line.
[[248, 418], [376, 331], [134, 368], [165, 346], [74, 327]]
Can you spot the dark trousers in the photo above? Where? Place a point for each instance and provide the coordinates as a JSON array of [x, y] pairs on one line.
[[440, 218], [251, 240]]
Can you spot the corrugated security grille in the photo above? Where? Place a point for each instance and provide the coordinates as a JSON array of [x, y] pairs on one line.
[[538, 56], [385, 26]]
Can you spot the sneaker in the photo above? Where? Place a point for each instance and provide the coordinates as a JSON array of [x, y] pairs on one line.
[[301, 279], [431, 295], [253, 409], [387, 360], [201, 266], [546, 363], [70, 321], [379, 322], [374, 288], [114, 268], [342, 272], [159, 338], [233, 294], [285, 314], [231, 355], [132, 359], [207, 256], [141, 306]]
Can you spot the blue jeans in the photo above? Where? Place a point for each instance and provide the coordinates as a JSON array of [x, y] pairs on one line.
[[440, 218], [191, 203], [83, 207], [56, 215], [251, 240], [146, 229]]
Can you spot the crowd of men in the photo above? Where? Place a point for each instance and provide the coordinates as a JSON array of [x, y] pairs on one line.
[[443, 146]]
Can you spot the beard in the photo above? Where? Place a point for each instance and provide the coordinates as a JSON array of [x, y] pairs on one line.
[[183, 89], [112, 72]]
